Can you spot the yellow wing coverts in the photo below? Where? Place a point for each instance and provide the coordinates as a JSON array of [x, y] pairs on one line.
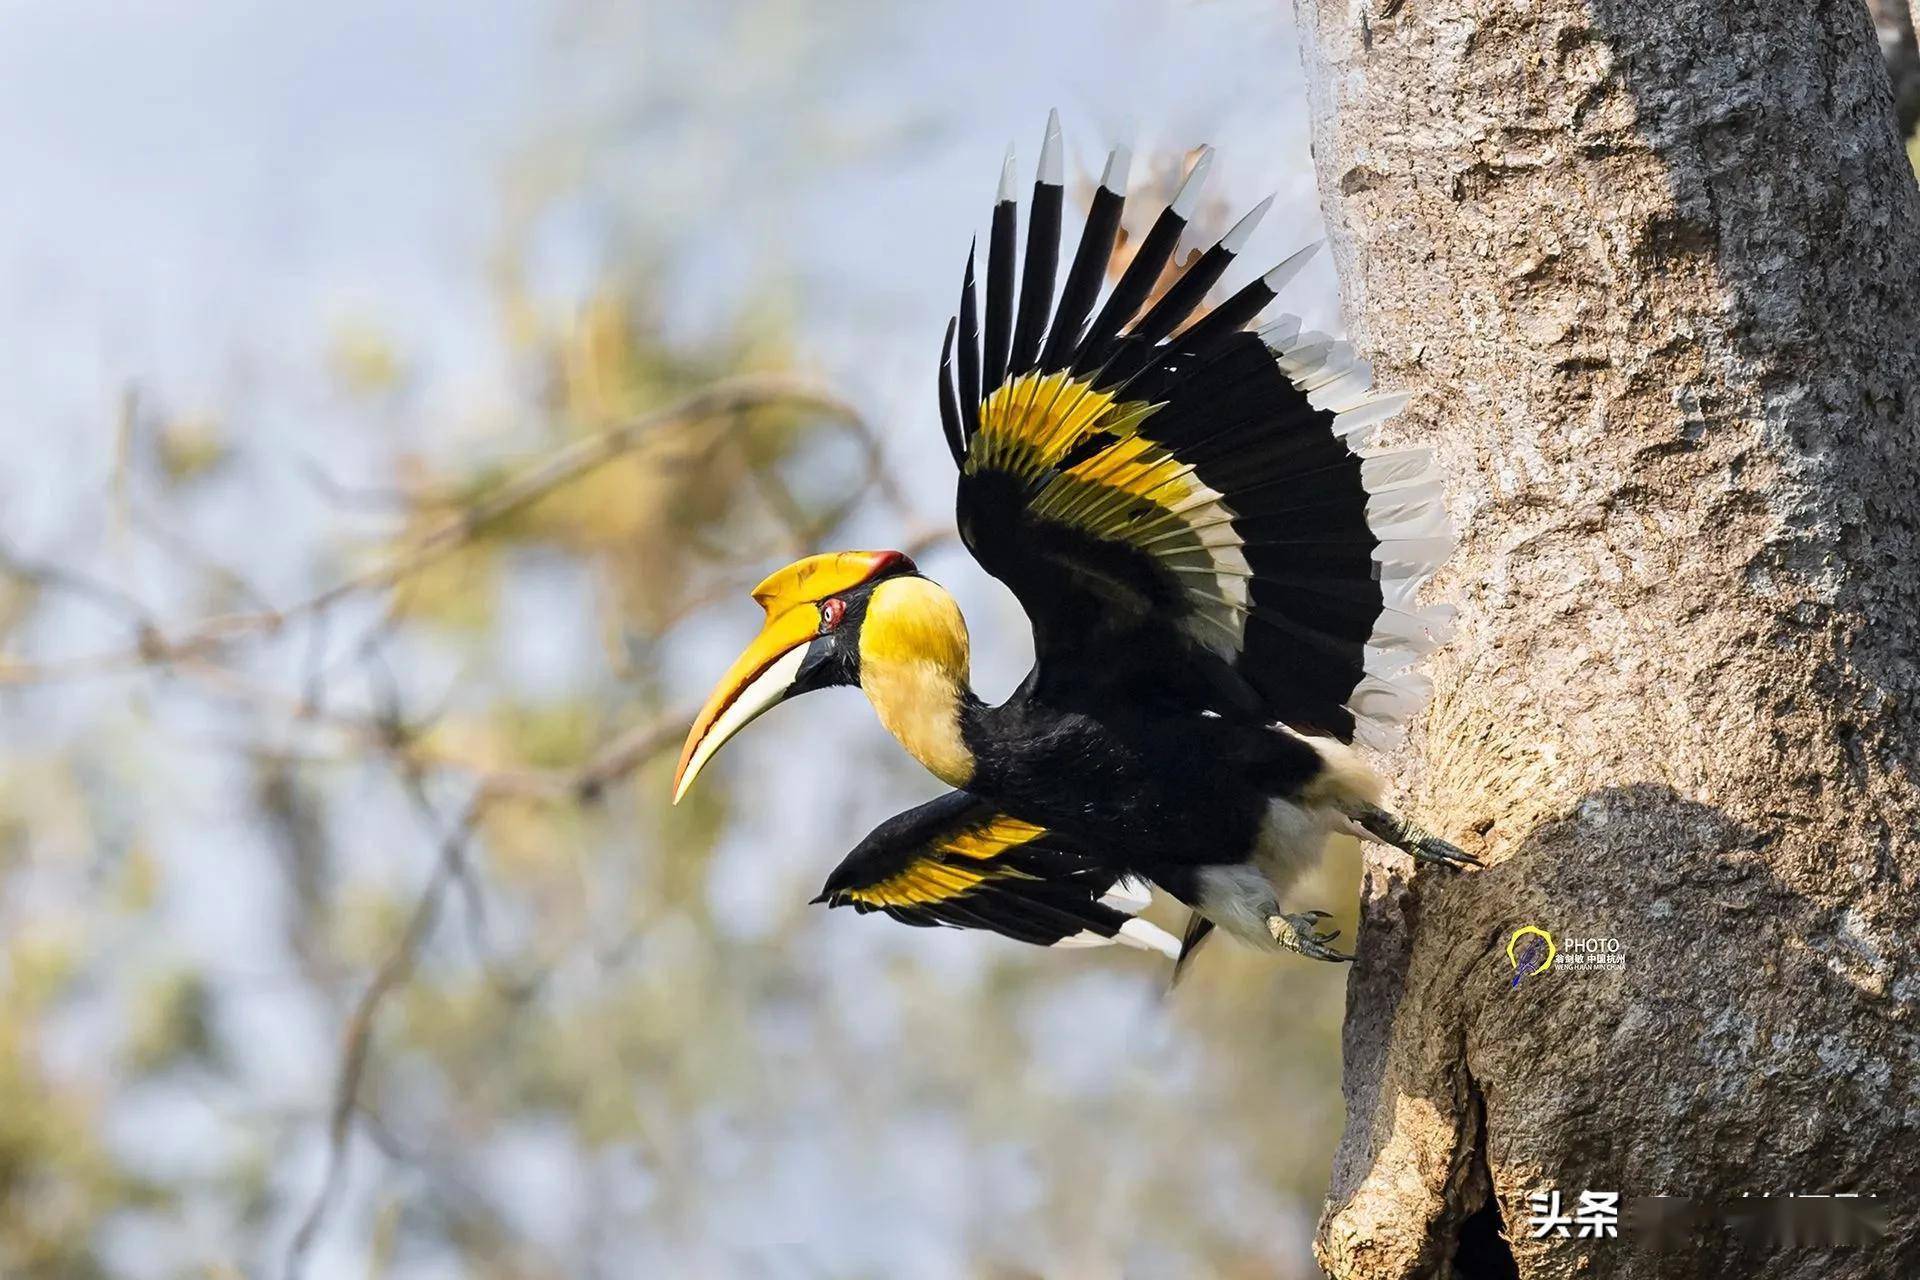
[[960, 862], [1182, 504]]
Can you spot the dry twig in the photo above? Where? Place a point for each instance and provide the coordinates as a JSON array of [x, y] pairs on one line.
[[722, 403]]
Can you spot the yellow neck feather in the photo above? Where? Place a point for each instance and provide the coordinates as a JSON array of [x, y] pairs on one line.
[[913, 667]]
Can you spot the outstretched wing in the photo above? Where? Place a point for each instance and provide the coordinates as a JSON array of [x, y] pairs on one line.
[[961, 862], [1186, 513]]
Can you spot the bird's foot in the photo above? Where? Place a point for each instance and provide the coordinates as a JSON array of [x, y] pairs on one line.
[[1301, 932], [1413, 839], [1427, 847]]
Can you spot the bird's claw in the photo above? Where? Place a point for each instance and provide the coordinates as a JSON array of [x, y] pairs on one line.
[[1414, 839], [1302, 933], [1431, 848]]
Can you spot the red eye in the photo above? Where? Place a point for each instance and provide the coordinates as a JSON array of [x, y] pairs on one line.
[[831, 611]]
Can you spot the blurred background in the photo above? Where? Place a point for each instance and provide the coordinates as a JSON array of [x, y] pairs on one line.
[[398, 402]]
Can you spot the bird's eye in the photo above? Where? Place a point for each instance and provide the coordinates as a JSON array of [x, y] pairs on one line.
[[831, 611]]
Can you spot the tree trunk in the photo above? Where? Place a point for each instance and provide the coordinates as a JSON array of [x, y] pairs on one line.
[[1656, 268]]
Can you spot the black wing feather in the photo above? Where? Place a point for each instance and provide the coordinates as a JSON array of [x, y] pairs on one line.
[[949, 402], [962, 862], [1084, 277], [1178, 302], [999, 297], [1180, 505], [1136, 282], [969, 354], [1036, 278]]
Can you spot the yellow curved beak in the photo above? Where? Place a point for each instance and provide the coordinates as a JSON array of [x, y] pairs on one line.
[[758, 679]]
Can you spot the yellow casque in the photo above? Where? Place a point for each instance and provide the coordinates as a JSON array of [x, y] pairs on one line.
[[791, 598]]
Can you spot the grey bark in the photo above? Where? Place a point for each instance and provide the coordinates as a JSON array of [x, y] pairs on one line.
[[1655, 268]]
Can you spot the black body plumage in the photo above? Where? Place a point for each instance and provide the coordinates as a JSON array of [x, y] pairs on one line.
[[1216, 577]]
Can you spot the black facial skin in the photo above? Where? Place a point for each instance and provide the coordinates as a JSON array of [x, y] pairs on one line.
[[833, 658]]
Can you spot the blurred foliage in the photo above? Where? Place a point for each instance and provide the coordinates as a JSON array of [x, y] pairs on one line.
[[658, 528], [188, 448], [58, 1180], [587, 1009], [648, 520], [621, 1043]]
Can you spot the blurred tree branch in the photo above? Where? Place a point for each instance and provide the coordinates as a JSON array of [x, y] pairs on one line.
[[719, 404], [204, 656], [358, 1040]]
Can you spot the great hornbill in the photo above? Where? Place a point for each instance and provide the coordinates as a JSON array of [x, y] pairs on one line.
[[1220, 582]]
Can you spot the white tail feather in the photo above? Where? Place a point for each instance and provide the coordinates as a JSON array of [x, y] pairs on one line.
[[1134, 933], [1129, 895]]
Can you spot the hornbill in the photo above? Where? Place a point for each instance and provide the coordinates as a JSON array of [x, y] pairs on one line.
[[1220, 579]]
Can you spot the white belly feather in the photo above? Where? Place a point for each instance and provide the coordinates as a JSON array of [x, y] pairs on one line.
[[1241, 897]]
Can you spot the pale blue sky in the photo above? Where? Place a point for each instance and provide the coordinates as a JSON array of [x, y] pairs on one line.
[[194, 196]]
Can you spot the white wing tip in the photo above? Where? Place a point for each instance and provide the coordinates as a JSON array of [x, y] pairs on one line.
[[1277, 278], [1187, 199], [1149, 937], [1052, 165], [1127, 894], [1007, 187], [1376, 410], [1236, 239], [1279, 332], [1407, 515], [1114, 177]]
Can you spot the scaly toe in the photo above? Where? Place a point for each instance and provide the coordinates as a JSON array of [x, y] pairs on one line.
[[1320, 951], [1300, 933], [1443, 853]]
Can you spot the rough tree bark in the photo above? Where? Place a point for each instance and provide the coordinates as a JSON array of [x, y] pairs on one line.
[[1656, 267]]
